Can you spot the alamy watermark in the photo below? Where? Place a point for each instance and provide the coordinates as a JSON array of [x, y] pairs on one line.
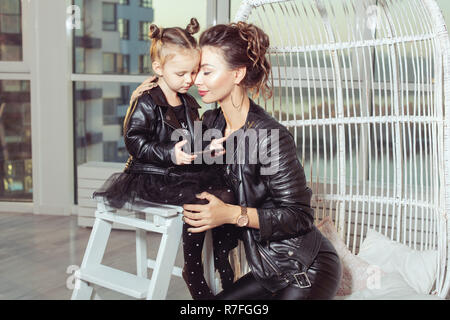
[[248, 146], [71, 281], [73, 20]]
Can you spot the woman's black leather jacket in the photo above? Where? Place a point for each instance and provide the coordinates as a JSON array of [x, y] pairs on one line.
[[287, 242]]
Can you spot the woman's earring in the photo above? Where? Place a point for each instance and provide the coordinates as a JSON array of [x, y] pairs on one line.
[[239, 106]]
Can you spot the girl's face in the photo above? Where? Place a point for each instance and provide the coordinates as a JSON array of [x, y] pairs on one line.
[[179, 71], [215, 80]]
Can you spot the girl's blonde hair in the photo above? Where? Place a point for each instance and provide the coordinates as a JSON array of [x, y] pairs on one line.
[[162, 38]]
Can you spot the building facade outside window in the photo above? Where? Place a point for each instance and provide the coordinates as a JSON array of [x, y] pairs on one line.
[[109, 16], [10, 30], [146, 3], [144, 64], [143, 30]]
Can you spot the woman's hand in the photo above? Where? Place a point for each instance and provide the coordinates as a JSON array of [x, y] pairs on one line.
[[182, 157], [209, 216], [148, 84], [216, 145]]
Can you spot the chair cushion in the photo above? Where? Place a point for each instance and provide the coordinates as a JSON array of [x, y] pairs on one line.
[[418, 268], [356, 273]]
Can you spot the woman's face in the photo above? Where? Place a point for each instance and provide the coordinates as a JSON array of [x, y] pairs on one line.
[[215, 80], [179, 71]]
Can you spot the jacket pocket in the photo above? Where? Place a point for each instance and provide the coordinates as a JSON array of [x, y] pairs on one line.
[[268, 259]]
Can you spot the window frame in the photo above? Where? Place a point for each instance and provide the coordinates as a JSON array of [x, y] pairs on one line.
[[123, 24], [21, 68], [144, 36], [114, 23]]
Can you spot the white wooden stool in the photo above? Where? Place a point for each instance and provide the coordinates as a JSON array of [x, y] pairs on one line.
[[166, 220]]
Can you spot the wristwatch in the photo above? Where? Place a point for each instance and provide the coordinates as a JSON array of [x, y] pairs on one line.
[[242, 220]]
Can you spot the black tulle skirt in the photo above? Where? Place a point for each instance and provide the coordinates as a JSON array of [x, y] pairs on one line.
[[177, 188]]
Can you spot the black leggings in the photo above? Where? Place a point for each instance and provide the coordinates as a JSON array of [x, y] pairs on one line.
[[324, 274], [224, 239]]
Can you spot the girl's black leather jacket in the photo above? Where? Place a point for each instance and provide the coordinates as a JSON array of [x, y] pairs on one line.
[[149, 128], [287, 242]]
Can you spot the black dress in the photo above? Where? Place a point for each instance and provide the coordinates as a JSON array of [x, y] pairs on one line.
[[178, 187]]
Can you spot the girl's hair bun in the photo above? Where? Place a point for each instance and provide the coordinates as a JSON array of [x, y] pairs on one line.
[[154, 32], [193, 27]]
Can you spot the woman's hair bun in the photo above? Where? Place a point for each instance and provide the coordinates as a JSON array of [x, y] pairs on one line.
[[243, 44], [154, 32], [258, 41], [193, 27]]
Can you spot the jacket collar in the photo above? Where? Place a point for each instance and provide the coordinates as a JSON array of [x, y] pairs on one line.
[[169, 116]]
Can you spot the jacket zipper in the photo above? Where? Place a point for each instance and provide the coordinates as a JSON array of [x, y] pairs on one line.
[[267, 259]]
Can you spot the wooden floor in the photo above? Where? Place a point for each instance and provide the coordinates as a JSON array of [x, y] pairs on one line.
[[39, 252]]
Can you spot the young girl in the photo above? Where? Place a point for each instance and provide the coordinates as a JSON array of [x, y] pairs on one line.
[[158, 170]]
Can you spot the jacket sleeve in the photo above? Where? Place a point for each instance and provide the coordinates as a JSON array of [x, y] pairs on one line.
[[285, 179], [141, 139]]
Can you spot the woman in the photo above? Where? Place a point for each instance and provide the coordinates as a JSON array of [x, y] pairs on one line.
[[287, 255]]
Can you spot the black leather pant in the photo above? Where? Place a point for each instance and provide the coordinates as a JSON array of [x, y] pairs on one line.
[[324, 275]]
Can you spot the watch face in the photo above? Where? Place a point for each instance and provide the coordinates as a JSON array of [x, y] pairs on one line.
[[242, 221]]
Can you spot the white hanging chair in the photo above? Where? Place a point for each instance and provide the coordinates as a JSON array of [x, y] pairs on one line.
[[364, 87]]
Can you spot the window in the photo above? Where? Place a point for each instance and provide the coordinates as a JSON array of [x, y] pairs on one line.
[[144, 63], [15, 141], [80, 58], [115, 62], [123, 62], [124, 29], [146, 3], [109, 151], [144, 26], [109, 17], [10, 30], [124, 2], [109, 62], [124, 94], [109, 111]]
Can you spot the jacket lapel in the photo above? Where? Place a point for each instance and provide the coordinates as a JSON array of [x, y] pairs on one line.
[[170, 117]]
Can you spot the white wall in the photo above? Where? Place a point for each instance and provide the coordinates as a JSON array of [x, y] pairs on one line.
[[51, 109]]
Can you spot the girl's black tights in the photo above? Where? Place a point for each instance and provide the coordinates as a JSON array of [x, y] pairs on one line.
[[193, 272], [224, 239]]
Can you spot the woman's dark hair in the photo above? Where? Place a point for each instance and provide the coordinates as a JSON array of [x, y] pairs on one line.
[[161, 37], [243, 44]]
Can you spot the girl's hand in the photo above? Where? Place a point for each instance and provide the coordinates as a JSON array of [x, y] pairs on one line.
[[182, 157], [208, 216]]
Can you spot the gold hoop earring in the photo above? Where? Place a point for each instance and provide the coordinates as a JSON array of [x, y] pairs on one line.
[[239, 106]]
